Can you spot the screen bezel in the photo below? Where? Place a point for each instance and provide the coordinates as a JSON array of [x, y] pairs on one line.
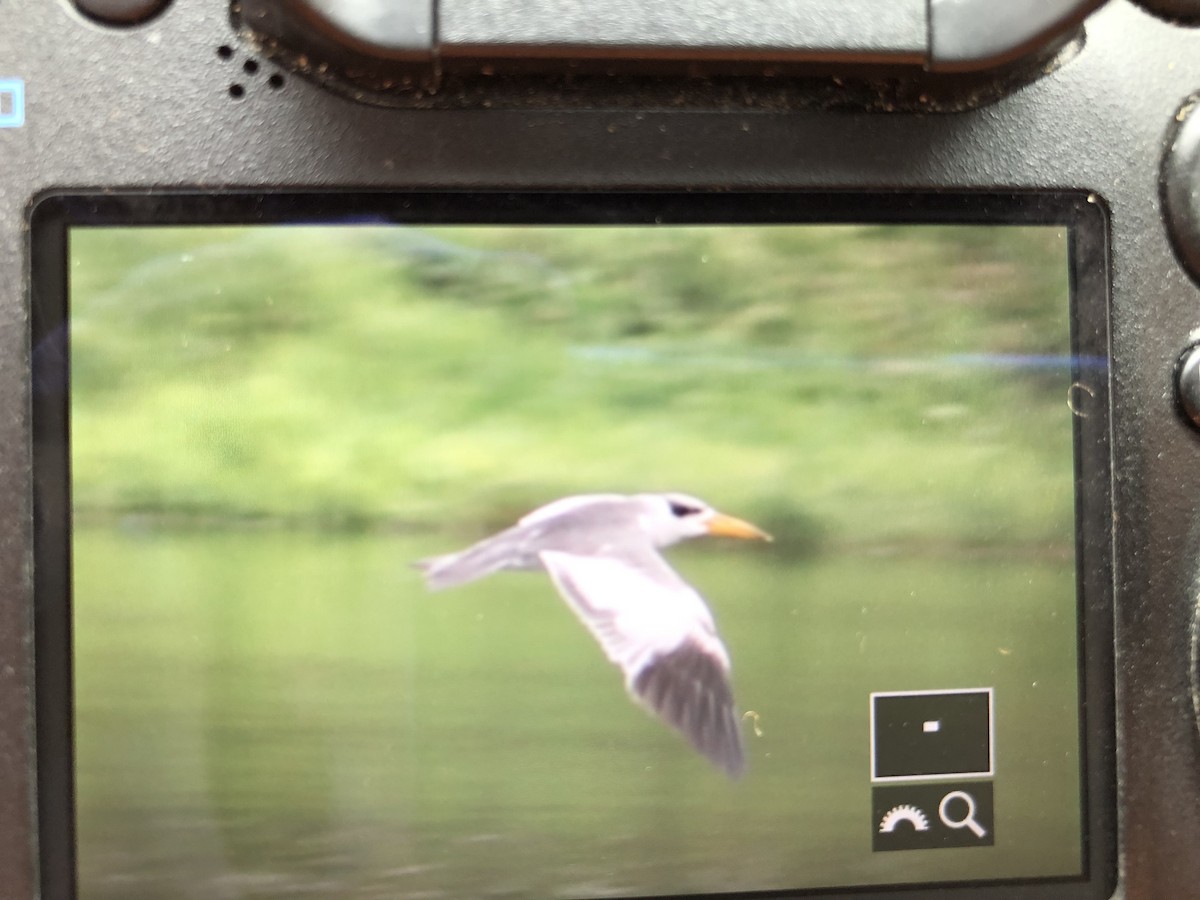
[[1087, 225]]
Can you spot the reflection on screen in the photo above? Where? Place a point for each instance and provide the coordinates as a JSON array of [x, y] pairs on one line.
[[272, 427]]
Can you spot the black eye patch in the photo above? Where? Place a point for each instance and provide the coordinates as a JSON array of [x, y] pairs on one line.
[[682, 509]]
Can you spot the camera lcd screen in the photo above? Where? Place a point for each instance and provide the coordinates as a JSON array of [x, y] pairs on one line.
[[590, 558]]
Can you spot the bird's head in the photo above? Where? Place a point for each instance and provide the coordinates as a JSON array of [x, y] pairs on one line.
[[669, 518]]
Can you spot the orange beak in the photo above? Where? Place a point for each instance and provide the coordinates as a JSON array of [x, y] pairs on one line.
[[728, 526]]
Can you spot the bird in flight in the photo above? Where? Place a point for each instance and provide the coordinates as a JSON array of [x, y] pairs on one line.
[[602, 553]]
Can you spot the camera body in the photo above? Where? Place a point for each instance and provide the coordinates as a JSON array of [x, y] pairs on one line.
[[195, 101]]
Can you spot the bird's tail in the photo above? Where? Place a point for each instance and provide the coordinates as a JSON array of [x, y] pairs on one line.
[[453, 569], [432, 568]]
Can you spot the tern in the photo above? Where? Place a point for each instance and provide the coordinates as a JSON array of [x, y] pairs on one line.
[[601, 551]]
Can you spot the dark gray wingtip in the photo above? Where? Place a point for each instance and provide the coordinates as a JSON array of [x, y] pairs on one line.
[[690, 690]]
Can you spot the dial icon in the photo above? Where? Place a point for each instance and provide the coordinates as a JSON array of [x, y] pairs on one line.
[[905, 812]]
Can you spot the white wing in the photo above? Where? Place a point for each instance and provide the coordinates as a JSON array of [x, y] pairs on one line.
[[659, 631], [564, 506]]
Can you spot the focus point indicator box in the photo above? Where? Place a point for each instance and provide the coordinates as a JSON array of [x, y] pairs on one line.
[[925, 735]]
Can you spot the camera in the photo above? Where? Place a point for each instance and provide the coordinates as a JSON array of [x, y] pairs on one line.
[[469, 449]]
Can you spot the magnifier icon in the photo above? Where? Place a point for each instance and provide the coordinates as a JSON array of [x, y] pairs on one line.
[[966, 821]]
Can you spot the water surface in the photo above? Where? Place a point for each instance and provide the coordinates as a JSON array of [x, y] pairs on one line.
[[273, 714]]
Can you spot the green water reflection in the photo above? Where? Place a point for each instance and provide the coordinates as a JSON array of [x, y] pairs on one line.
[[270, 714]]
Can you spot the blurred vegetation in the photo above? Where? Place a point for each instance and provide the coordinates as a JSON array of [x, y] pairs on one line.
[[847, 384]]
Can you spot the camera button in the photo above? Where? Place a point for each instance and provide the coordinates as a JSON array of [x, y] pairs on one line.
[[121, 12], [1181, 186], [1187, 384]]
